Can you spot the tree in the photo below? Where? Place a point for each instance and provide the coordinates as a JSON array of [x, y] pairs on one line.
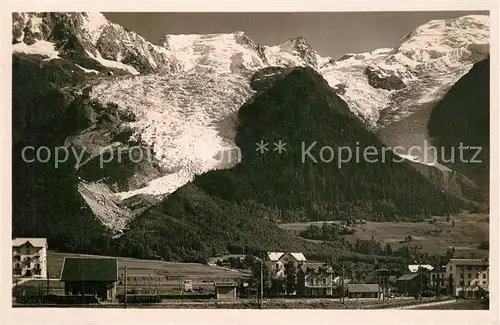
[[291, 277], [484, 245], [266, 276], [388, 249]]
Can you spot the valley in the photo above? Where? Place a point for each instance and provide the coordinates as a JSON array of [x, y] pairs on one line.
[[434, 237]]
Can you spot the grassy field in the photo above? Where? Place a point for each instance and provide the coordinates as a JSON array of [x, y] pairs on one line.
[[468, 232], [147, 275]]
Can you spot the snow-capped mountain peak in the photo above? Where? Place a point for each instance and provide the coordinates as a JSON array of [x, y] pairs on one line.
[[91, 40], [428, 62], [294, 52], [221, 53]]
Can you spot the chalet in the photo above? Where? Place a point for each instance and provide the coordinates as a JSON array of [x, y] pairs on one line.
[[277, 261], [468, 277], [225, 289], [29, 258], [90, 276], [363, 290], [315, 279]]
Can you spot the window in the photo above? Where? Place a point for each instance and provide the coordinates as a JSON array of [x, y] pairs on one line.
[[325, 281], [461, 275], [17, 271], [38, 271], [469, 275], [462, 283], [484, 282], [277, 266], [484, 275], [451, 267]]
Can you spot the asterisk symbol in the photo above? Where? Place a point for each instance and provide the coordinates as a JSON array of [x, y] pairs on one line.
[[261, 146], [280, 146]]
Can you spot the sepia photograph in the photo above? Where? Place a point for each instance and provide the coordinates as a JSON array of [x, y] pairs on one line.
[[251, 160]]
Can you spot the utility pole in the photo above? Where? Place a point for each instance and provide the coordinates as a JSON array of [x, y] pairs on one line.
[[421, 282], [125, 285], [438, 281], [48, 283], [378, 284], [261, 285], [342, 296]]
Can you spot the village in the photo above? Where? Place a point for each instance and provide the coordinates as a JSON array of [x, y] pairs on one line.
[[42, 277]]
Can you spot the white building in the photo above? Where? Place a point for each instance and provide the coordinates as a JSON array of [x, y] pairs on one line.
[[468, 277], [29, 258], [277, 261]]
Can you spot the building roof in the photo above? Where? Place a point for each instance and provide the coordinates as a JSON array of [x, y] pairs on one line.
[[338, 280], [414, 267], [315, 268], [483, 287], [363, 287], [469, 261], [76, 269], [299, 257], [36, 242], [225, 283], [407, 276], [276, 256]]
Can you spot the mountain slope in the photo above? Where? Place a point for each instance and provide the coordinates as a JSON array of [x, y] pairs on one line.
[[468, 103], [175, 103], [241, 205]]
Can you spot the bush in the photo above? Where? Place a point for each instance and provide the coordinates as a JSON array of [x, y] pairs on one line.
[[428, 293]]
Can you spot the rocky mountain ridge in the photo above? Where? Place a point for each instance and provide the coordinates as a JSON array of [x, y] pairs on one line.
[[185, 91]]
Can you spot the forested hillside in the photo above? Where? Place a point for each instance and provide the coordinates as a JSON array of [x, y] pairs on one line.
[[462, 117], [242, 204]]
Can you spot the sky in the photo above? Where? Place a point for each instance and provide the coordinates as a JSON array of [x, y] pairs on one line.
[[329, 33]]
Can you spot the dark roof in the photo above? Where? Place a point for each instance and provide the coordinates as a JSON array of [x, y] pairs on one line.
[[315, 268], [482, 287], [362, 287], [408, 276], [89, 269], [225, 283]]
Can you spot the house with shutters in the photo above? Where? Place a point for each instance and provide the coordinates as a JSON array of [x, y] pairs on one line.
[[315, 279], [277, 261], [29, 258]]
